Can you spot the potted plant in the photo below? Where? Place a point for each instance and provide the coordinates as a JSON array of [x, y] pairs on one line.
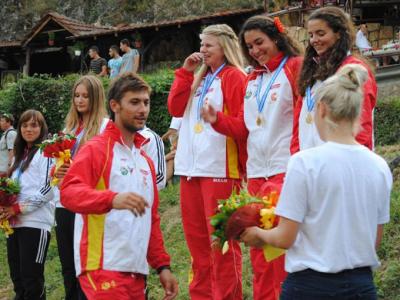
[[51, 38], [77, 48], [137, 40]]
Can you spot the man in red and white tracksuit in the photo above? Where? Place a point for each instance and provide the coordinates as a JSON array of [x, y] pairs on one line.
[[112, 187]]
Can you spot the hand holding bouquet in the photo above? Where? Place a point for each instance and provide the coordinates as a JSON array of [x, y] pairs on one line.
[[9, 190], [58, 147], [241, 211]]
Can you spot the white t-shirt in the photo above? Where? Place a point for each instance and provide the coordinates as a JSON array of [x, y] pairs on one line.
[[175, 123], [6, 146], [361, 41], [339, 194]]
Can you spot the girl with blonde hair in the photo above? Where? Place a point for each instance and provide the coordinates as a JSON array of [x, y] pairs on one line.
[[334, 202], [86, 118], [207, 161]]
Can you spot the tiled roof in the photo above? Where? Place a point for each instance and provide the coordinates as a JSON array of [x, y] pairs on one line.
[[76, 28], [6, 44], [132, 27]]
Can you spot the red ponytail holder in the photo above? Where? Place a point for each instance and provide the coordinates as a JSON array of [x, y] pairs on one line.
[[278, 24]]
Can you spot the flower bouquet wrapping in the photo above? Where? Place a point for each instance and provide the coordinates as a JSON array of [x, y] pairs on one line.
[[9, 189], [241, 211], [58, 147]]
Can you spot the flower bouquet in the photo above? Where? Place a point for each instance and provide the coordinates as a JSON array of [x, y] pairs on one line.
[[242, 210], [9, 190], [58, 147]]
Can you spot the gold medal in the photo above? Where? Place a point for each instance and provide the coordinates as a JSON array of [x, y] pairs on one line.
[[259, 121], [198, 128], [309, 118]]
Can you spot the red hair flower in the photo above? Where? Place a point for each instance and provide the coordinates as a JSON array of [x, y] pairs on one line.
[[278, 24]]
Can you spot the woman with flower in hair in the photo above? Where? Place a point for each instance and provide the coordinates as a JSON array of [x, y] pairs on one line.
[[265, 124], [332, 36], [206, 160]]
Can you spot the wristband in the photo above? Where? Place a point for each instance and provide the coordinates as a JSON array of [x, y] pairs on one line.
[[160, 269]]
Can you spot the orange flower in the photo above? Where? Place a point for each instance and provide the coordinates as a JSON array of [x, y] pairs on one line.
[[278, 24]]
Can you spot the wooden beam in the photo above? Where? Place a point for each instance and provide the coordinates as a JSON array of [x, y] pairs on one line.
[[27, 61], [55, 30], [33, 34], [266, 6], [46, 50]]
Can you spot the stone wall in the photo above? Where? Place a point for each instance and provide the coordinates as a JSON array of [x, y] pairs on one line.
[[378, 35], [388, 89], [298, 33]]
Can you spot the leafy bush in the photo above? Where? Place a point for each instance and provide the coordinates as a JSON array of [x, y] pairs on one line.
[[160, 83], [52, 97], [387, 277], [387, 122]]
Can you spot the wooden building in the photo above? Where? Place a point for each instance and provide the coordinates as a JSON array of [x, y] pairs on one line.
[[59, 45]]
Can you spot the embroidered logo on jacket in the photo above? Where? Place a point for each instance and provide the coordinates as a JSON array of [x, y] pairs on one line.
[[106, 285], [274, 96], [275, 86], [125, 170], [248, 95], [145, 173]]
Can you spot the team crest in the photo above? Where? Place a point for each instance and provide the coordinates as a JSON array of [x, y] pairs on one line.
[[125, 170], [274, 96], [248, 95]]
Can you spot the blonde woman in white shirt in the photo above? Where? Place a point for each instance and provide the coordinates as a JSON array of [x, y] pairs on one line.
[[334, 202]]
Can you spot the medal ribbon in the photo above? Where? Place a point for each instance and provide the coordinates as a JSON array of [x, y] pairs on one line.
[[310, 100], [207, 84], [261, 101]]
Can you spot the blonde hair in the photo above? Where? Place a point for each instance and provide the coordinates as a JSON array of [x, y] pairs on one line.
[[343, 93], [229, 43], [97, 108]]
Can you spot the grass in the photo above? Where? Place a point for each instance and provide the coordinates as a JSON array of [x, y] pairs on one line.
[[387, 277]]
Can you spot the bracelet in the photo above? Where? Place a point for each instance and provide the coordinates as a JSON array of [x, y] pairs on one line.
[[160, 269]]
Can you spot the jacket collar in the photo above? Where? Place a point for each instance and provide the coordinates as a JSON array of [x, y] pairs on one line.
[[113, 131], [271, 65]]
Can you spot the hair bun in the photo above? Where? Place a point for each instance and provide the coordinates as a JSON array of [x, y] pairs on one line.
[[352, 76]]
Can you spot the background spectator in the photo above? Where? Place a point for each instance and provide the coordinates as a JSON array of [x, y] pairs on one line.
[[130, 60], [115, 63], [98, 65], [6, 142]]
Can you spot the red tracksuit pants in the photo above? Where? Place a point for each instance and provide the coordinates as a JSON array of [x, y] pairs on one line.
[[267, 276], [215, 276], [106, 285]]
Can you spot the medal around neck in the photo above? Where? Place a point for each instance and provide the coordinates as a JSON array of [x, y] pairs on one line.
[[259, 121], [310, 105], [261, 98], [309, 118], [198, 127]]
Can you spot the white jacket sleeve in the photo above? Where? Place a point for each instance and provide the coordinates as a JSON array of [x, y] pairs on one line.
[[45, 193], [155, 150]]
